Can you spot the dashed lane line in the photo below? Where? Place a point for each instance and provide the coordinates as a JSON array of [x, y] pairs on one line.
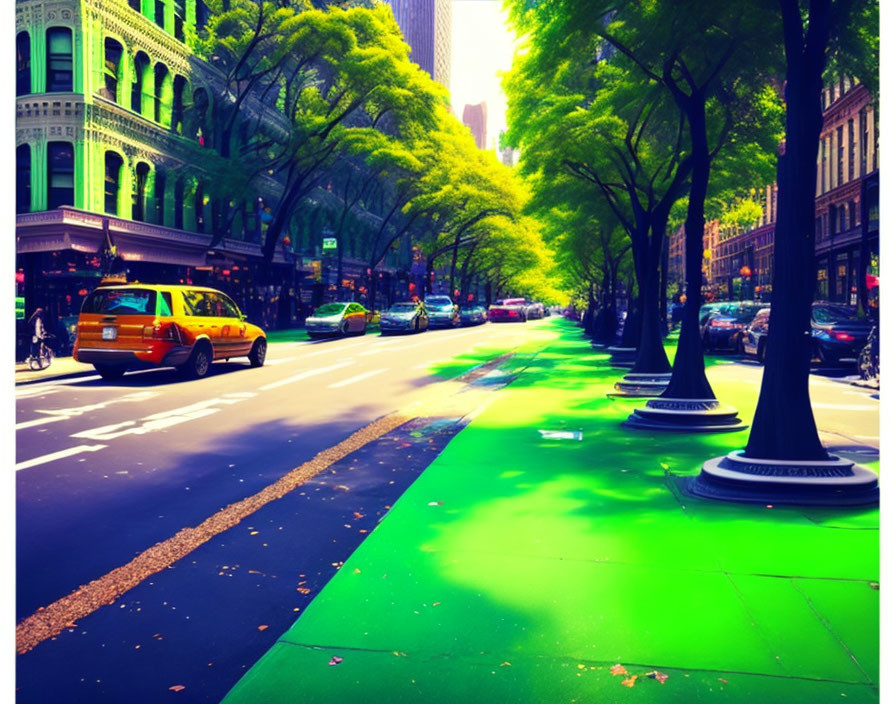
[[303, 375], [354, 379], [62, 454]]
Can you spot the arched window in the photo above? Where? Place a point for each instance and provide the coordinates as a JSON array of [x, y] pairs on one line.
[[177, 106], [23, 178], [200, 111], [199, 207], [138, 87], [112, 69], [60, 174], [159, 192], [114, 164], [202, 16], [135, 4], [59, 60], [23, 63], [179, 203], [138, 207], [163, 95]]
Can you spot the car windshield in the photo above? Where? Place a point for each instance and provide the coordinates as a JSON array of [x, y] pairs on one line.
[[403, 308], [833, 314], [330, 309], [743, 314], [471, 307], [439, 302], [121, 301]]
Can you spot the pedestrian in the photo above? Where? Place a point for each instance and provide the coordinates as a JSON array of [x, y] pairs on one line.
[[38, 330]]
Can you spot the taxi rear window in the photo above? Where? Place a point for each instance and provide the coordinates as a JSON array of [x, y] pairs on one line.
[[129, 301]]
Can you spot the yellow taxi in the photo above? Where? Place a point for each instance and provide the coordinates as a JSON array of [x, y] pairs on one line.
[[133, 325]]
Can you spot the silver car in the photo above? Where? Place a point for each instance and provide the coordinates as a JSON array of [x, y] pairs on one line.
[[337, 319], [404, 317]]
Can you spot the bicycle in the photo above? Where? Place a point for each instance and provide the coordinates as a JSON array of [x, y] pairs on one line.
[[44, 355]]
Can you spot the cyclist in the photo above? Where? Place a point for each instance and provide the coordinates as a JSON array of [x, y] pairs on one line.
[[40, 355]]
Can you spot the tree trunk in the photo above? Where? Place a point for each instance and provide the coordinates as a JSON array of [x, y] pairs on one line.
[[651, 357], [784, 427], [664, 285], [688, 372], [631, 329]]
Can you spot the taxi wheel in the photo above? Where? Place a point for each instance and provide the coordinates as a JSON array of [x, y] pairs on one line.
[[345, 329], [109, 373], [199, 363], [258, 352]]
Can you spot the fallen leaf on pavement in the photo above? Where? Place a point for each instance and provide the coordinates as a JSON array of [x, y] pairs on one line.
[[177, 688], [722, 679], [504, 664], [630, 681], [358, 515], [618, 670], [262, 628], [335, 660], [436, 503], [340, 487], [254, 532], [660, 677]]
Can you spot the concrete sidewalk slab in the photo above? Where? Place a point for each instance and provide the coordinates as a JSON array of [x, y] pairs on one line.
[[523, 568], [60, 368]]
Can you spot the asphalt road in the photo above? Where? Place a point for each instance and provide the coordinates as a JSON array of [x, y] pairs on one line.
[[106, 470]]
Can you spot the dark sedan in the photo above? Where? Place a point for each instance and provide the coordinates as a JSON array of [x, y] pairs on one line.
[[473, 314], [724, 326], [838, 335], [404, 317]]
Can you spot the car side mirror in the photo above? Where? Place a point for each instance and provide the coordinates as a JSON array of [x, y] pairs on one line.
[[243, 317]]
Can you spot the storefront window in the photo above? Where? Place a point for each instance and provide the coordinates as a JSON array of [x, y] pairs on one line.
[[59, 60], [60, 174], [821, 284]]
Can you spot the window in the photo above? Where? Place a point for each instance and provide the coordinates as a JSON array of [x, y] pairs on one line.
[[59, 60], [163, 89], [141, 65], [852, 149], [112, 182], [840, 155], [160, 13], [121, 301], [111, 68], [179, 203], [824, 164], [23, 63], [135, 4], [226, 307], [202, 15], [60, 174], [200, 111], [863, 143], [165, 306], [23, 178], [204, 304], [177, 107], [852, 214], [160, 196], [179, 15], [138, 207]]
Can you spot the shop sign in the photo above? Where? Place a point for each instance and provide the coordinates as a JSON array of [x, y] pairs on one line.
[[329, 243]]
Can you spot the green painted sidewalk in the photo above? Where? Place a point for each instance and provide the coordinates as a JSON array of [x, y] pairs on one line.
[[520, 569]]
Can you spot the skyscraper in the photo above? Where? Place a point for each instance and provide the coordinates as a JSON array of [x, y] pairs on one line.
[[476, 118], [426, 25]]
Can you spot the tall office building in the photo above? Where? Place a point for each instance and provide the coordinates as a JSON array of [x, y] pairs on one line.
[[476, 118], [426, 25]]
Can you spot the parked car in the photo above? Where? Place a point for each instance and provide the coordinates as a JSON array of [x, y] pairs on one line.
[[753, 339], [868, 363], [341, 319], [838, 335], [130, 326], [473, 314], [406, 316], [724, 326], [442, 312], [508, 310], [708, 309], [534, 310]]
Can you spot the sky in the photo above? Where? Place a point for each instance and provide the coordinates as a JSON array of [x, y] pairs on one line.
[[481, 46]]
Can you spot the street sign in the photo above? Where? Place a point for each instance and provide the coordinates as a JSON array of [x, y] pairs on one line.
[[329, 243]]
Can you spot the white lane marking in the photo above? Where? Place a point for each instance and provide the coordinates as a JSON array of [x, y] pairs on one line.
[[303, 375], [43, 459], [39, 421], [159, 421], [80, 410], [282, 360], [359, 377], [36, 390], [846, 406]]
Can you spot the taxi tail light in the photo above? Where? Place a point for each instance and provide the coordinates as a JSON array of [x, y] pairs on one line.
[[725, 324], [170, 332], [843, 337]]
